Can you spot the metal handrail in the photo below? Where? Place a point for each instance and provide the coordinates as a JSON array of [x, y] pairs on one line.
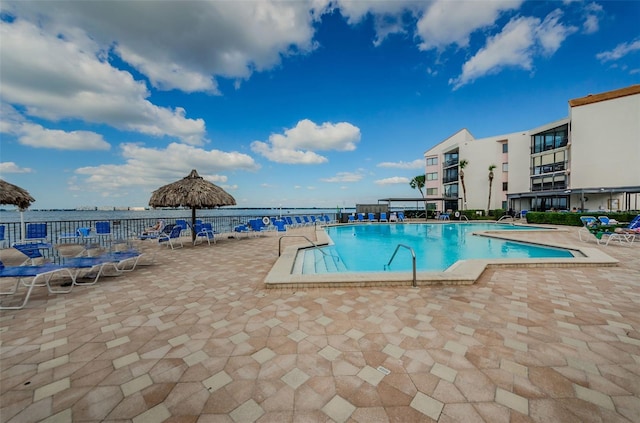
[[297, 236], [506, 216], [413, 255]]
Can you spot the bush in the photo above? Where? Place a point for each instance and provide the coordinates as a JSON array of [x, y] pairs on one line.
[[573, 219]]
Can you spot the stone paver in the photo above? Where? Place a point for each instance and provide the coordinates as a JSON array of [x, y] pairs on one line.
[[197, 334]]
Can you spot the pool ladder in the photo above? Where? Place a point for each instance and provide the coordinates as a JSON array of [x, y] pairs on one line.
[[413, 257]]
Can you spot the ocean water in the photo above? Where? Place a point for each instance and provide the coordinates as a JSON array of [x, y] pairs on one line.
[[11, 215]]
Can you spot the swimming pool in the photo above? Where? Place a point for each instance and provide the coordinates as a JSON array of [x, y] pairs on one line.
[[368, 248]]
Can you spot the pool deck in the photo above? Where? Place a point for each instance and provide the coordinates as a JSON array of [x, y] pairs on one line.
[[197, 337]]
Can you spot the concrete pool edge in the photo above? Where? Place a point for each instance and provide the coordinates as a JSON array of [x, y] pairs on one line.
[[464, 272]]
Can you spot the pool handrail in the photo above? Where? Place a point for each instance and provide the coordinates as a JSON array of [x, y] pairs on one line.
[[298, 236], [413, 255]]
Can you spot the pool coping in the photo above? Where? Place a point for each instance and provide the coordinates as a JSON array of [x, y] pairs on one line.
[[463, 272]]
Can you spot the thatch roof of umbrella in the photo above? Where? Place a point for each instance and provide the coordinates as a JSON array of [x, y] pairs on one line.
[[191, 191], [14, 195]]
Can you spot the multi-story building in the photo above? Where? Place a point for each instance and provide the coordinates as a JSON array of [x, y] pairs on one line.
[[588, 161]]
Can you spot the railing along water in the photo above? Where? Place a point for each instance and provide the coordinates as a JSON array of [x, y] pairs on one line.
[[121, 229], [413, 256]]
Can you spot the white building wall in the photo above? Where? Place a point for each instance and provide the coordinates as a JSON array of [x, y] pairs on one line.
[[605, 143], [481, 154]]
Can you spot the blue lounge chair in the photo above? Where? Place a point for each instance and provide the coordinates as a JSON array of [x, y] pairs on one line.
[[299, 221], [280, 225], [172, 237], [90, 268], [204, 231], [103, 229], [361, 217], [36, 232], [43, 272], [605, 220], [306, 220], [591, 230], [400, 216], [372, 217], [383, 217], [351, 219], [183, 224], [289, 221], [33, 251], [241, 229]]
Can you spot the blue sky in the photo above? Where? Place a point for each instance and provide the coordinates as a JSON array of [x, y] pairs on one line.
[[299, 104]]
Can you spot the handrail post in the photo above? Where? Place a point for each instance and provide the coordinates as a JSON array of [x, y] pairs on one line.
[[413, 257]]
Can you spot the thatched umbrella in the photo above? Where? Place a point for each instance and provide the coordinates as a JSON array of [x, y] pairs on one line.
[[191, 191], [15, 196]]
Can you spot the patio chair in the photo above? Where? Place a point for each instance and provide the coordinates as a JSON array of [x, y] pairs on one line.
[[605, 220], [351, 218], [383, 217], [372, 217], [36, 232], [400, 216], [33, 251], [204, 231], [103, 229], [280, 225], [183, 224], [43, 272], [171, 238], [241, 229], [299, 221], [591, 230], [361, 217]]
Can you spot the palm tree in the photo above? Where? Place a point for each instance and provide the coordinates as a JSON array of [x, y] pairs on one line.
[[463, 163], [491, 168], [418, 183]]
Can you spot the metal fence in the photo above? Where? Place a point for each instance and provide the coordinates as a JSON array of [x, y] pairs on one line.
[[59, 232]]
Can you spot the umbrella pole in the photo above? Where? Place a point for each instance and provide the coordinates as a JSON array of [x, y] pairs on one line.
[[193, 224], [22, 227]]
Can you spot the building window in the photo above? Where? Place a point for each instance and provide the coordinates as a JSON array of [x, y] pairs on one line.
[[505, 167], [432, 161], [451, 190], [549, 140], [432, 176], [451, 159], [505, 186], [450, 175], [505, 147], [432, 191]]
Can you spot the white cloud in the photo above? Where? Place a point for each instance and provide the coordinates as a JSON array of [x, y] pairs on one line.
[[182, 45], [452, 22], [60, 79], [153, 167], [416, 164], [12, 167], [344, 177], [592, 13], [551, 33], [515, 46], [619, 51], [299, 144], [34, 135], [393, 181]]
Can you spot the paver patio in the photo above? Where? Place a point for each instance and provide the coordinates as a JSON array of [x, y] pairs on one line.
[[197, 337]]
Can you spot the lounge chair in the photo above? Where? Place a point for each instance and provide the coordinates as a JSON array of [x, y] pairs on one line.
[[299, 221], [36, 232], [90, 267], [241, 229], [204, 231], [361, 217], [306, 220], [289, 221], [36, 273], [172, 237], [383, 217], [591, 230], [183, 224], [400, 216], [351, 219], [3, 240], [33, 251], [605, 220], [280, 225], [103, 229], [372, 217]]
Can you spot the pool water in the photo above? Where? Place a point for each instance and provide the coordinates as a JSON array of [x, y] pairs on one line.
[[368, 248]]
